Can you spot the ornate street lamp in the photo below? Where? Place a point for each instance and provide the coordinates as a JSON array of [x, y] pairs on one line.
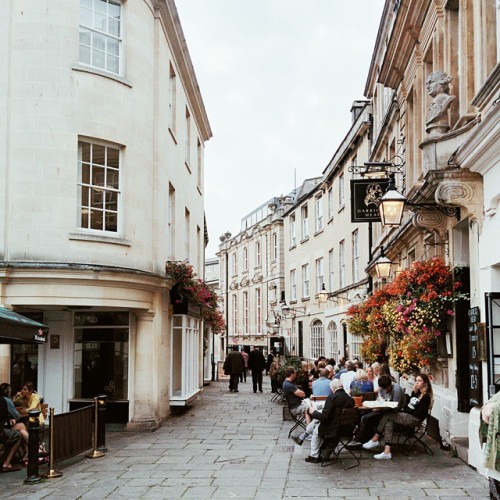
[[392, 204], [383, 265]]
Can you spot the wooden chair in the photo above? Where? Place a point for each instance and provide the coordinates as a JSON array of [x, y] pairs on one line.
[[338, 446], [369, 396]]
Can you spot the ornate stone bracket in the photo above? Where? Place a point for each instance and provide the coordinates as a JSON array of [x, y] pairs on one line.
[[465, 194]]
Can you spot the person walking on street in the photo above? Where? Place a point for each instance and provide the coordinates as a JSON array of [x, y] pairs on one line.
[[243, 376], [256, 363], [233, 366], [270, 359]]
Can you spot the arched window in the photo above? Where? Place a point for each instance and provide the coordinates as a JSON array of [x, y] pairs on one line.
[[317, 339], [333, 341]]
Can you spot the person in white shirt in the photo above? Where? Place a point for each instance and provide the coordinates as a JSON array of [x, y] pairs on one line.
[[348, 377]]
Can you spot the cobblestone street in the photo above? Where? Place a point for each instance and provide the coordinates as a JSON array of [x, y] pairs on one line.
[[236, 446]]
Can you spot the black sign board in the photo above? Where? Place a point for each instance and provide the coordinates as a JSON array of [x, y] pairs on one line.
[[475, 384], [365, 196]]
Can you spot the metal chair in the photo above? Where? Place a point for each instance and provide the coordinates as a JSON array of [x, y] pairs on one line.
[[415, 434], [337, 447], [298, 420]]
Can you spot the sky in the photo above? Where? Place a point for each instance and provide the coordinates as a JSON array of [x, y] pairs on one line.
[[278, 78]]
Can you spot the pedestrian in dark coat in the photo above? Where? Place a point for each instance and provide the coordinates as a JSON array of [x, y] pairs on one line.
[[233, 366], [256, 363]]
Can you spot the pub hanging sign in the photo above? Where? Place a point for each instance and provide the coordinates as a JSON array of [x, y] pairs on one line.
[[365, 198]]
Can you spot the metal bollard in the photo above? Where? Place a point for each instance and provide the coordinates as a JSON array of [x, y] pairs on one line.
[[95, 453], [52, 473], [32, 476], [101, 422]]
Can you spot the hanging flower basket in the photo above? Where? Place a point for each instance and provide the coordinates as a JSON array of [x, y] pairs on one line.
[[405, 318], [191, 296]]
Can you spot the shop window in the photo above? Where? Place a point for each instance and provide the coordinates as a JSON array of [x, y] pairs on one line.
[[101, 354]]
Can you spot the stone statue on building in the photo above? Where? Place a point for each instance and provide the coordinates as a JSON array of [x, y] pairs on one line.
[[438, 87]]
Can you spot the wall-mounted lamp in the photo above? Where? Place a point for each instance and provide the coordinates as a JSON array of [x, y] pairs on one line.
[[324, 296], [392, 203], [291, 312], [383, 265]]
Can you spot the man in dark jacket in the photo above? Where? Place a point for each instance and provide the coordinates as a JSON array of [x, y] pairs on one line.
[[233, 366], [329, 418], [256, 363]]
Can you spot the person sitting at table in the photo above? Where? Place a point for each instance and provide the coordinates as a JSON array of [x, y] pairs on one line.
[[412, 414], [329, 418], [388, 391], [10, 438], [295, 399], [14, 416], [303, 379], [361, 382], [27, 399], [376, 374], [321, 386], [347, 377]]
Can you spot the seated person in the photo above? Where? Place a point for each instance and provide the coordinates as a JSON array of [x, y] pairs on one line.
[[361, 382], [28, 399], [11, 439], [389, 391], [329, 418], [295, 398], [410, 416], [14, 416], [347, 377], [321, 386]]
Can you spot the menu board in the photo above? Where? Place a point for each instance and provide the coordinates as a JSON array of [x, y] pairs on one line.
[[475, 385]]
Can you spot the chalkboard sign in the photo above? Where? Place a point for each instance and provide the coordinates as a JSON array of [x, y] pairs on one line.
[[475, 385]]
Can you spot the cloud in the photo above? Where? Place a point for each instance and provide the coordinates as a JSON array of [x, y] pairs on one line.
[[278, 78]]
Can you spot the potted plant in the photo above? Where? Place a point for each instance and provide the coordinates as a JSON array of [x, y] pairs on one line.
[[357, 396]]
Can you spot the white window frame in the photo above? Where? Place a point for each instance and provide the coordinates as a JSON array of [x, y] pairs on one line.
[[258, 311], [317, 339], [305, 281], [171, 222], [187, 157], [245, 259], [90, 192], [187, 235], [330, 204], [172, 100], [246, 319], [100, 38], [258, 254], [318, 201], [293, 231], [356, 343], [293, 285], [275, 246], [235, 264], [199, 164], [235, 314], [320, 274], [304, 212], [333, 341], [331, 268], [355, 256], [341, 191], [342, 264]]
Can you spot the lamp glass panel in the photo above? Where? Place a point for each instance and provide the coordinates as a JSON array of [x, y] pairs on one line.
[[383, 267]]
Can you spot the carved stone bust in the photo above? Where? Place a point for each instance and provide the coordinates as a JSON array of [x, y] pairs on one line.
[[438, 87]]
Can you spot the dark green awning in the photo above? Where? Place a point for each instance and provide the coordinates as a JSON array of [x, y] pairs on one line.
[[18, 329]]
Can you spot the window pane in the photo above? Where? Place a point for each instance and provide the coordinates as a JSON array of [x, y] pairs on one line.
[[100, 22], [97, 198], [85, 149], [113, 46], [98, 59], [113, 178], [99, 41], [85, 16], [114, 27], [111, 221], [100, 6], [84, 54], [96, 221], [112, 64], [111, 200], [114, 10], [85, 218], [85, 191], [85, 37], [98, 154], [85, 173], [98, 176], [113, 157]]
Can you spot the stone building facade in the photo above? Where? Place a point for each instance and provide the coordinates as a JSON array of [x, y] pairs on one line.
[[434, 84], [102, 133]]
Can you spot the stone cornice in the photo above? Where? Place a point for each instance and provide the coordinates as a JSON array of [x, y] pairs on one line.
[[393, 57], [175, 38]]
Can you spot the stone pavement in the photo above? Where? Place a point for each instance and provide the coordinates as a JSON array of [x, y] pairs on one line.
[[229, 445]]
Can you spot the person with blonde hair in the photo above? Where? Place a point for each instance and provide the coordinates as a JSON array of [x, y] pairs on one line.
[[413, 413], [361, 382]]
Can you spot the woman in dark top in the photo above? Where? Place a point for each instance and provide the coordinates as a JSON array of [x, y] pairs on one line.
[[412, 414]]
